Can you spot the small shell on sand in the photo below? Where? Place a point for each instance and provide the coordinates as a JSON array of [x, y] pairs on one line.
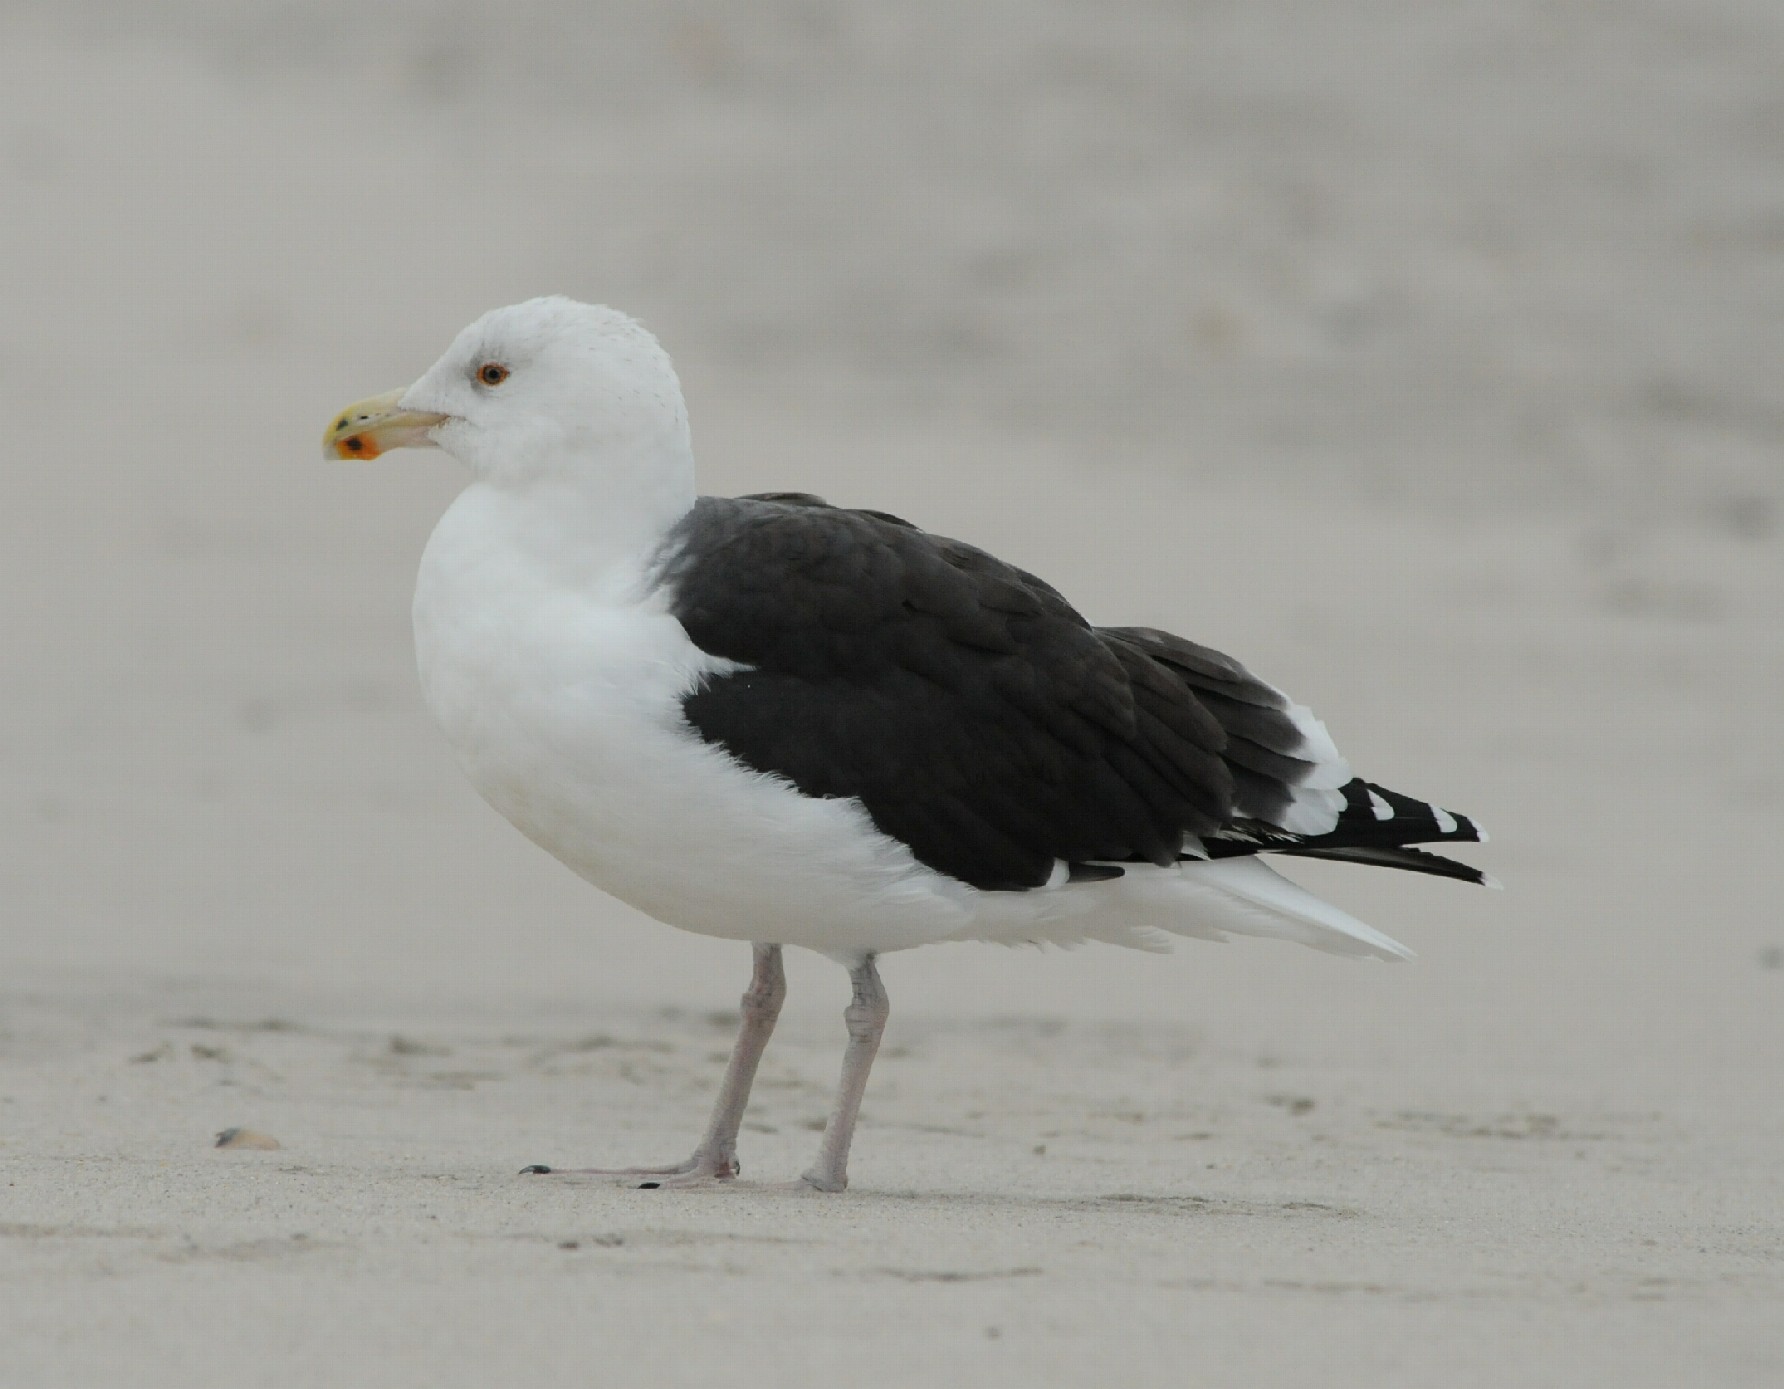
[[246, 1138]]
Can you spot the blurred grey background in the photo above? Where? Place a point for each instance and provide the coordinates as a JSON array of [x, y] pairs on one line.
[[1484, 250], [1426, 356], [1423, 355]]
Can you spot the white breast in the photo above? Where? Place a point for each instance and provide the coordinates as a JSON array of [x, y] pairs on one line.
[[561, 695]]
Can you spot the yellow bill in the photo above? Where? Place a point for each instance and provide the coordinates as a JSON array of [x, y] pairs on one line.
[[368, 428]]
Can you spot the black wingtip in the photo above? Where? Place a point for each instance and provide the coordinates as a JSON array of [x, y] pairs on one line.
[[1396, 856]]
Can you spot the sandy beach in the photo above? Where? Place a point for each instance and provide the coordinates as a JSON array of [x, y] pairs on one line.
[[1436, 379]]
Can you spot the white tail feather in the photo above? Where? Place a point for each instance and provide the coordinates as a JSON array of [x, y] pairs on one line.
[[1268, 904]]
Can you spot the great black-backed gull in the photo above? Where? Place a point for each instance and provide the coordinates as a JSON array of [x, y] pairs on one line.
[[772, 720]]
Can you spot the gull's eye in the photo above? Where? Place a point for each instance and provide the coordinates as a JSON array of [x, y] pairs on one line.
[[492, 373]]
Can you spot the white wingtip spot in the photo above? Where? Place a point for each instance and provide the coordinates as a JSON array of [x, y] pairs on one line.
[[1383, 811], [1445, 821]]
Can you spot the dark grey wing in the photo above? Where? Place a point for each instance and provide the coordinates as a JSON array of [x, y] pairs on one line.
[[971, 710], [813, 499], [1265, 748], [981, 721], [1272, 762]]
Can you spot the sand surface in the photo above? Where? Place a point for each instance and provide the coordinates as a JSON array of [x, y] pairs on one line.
[[1436, 378]]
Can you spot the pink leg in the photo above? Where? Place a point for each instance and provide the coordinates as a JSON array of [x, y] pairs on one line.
[[715, 1160], [866, 1019]]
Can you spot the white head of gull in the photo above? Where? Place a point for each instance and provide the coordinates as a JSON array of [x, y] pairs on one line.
[[772, 720]]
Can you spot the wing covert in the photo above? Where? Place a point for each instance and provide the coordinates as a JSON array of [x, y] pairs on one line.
[[967, 705]]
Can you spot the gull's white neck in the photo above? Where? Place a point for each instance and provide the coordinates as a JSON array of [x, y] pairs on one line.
[[578, 529]]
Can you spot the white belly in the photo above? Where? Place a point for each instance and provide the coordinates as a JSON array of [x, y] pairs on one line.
[[563, 704]]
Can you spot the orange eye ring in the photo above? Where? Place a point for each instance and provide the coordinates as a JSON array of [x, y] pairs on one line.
[[492, 373]]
